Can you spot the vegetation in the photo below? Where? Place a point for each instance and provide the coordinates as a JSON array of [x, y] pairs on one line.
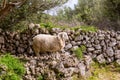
[[86, 28], [11, 69], [79, 51], [12, 12], [103, 13], [40, 77], [104, 71]]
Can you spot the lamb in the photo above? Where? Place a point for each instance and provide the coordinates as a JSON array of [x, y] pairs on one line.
[[48, 43]]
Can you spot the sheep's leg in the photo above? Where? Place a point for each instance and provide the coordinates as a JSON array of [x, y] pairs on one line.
[[62, 50], [37, 54], [36, 51]]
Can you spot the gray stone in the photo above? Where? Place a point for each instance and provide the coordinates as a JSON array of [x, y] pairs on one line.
[[100, 58], [88, 45], [78, 38], [118, 37], [75, 47], [88, 61], [31, 26], [33, 62], [97, 47], [102, 43], [90, 49], [96, 42], [117, 54], [86, 38], [2, 39], [56, 29], [109, 52], [101, 36], [37, 25], [97, 51], [79, 43], [73, 43], [82, 69], [118, 61], [112, 44], [68, 46], [20, 50]]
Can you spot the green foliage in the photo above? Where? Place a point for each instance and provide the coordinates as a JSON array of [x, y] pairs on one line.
[[104, 13], [79, 51], [104, 71], [14, 68], [29, 11], [86, 28], [40, 77]]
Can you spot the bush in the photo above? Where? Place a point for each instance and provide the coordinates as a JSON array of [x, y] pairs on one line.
[[86, 28], [14, 68], [79, 51]]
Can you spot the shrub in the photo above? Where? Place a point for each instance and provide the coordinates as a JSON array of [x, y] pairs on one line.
[[14, 68], [40, 77], [79, 51], [86, 28]]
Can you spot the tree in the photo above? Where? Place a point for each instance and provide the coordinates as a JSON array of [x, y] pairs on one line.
[[13, 11]]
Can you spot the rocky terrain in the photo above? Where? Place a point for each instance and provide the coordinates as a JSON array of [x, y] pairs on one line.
[[103, 46]]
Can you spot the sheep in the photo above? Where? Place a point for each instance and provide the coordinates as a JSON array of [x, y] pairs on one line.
[[48, 43]]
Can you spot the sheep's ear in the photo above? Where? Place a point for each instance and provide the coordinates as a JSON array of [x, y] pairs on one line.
[[59, 36]]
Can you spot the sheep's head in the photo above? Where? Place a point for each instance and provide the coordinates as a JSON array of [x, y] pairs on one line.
[[63, 35]]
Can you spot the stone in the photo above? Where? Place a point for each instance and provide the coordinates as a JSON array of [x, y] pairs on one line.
[[102, 43], [75, 47], [33, 62], [20, 50], [68, 46], [111, 44], [90, 49], [17, 43], [2, 40], [109, 52], [37, 25], [98, 47], [88, 45], [32, 68], [86, 38], [88, 61], [100, 58], [56, 29], [117, 54], [73, 43], [96, 42], [118, 61], [17, 37], [109, 59], [28, 71], [82, 69], [118, 37], [31, 25], [101, 36], [78, 38]]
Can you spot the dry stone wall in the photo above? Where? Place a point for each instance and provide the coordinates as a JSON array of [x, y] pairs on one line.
[[104, 46]]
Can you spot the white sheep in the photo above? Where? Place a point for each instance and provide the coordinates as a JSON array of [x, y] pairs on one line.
[[49, 43]]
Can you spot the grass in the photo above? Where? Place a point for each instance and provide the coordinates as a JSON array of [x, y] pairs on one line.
[[14, 68], [40, 77], [104, 72], [50, 25], [79, 51], [85, 28]]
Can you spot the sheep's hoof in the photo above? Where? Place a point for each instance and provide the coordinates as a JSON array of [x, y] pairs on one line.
[[38, 55]]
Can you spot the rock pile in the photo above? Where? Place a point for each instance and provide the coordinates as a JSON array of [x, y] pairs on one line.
[[57, 66], [104, 46]]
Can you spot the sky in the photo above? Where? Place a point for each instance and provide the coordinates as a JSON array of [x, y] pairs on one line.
[[69, 3]]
